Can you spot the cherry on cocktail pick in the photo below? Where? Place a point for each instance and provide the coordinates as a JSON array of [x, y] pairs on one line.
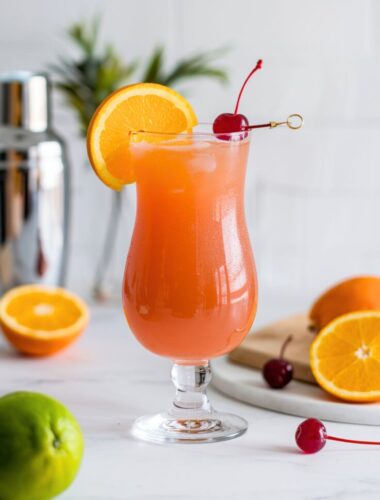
[[311, 436], [227, 123], [278, 372]]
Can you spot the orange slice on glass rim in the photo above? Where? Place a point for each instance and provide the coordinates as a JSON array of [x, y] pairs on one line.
[[345, 357], [40, 320], [147, 107]]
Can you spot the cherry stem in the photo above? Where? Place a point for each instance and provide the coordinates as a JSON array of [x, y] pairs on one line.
[[259, 65], [285, 345], [354, 441]]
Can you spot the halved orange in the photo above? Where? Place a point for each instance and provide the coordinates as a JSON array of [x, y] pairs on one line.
[[345, 357], [361, 293], [41, 320], [147, 107]]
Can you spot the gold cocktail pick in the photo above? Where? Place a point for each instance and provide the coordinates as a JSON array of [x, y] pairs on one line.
[[294, 122]]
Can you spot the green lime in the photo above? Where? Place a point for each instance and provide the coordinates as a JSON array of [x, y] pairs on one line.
[[41, 447]]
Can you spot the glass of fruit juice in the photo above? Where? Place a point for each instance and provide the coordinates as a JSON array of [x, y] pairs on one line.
[[190, 289]]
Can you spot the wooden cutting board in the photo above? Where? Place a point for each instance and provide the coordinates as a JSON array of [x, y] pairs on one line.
[[265, 343]]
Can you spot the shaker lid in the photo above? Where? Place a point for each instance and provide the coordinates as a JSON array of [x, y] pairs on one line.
[[24, 100]]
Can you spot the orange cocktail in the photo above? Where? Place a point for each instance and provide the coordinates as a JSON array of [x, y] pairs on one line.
[[190, 288]]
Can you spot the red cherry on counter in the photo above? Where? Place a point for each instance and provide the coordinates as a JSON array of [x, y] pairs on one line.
[[227, 123], [311, 436]]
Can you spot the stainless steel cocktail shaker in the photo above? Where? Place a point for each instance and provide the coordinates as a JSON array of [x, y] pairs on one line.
[[34, 190]]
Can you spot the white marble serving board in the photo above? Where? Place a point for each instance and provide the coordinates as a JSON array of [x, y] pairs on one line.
[[298, 398]]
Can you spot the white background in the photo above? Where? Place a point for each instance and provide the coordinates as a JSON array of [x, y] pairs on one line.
[[312, 198]]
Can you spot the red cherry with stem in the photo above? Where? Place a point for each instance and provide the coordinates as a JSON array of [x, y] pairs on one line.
[[278, 372], [311, 436], [227, 123]]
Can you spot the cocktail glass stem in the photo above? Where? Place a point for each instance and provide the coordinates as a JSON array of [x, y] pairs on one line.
[[190, 418], [191, 398]]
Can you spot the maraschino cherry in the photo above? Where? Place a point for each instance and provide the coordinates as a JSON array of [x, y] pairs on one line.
[[227, 123], [278, 372], [311, 436]]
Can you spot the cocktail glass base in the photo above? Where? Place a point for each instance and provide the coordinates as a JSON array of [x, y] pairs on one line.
[[163, 428]]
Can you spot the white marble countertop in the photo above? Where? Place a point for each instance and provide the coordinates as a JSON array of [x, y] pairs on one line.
[[107, 379]]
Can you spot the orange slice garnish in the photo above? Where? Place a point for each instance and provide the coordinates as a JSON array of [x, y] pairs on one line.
[[345, 357], [145, 107], [41, 320]]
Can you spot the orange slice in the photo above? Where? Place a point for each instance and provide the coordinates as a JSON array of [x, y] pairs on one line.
[[345, 357], [145, 107], [41, 320]]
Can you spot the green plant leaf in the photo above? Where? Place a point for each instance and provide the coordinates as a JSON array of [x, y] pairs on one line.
[[154, 67], [85, 36], [198, 65]]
